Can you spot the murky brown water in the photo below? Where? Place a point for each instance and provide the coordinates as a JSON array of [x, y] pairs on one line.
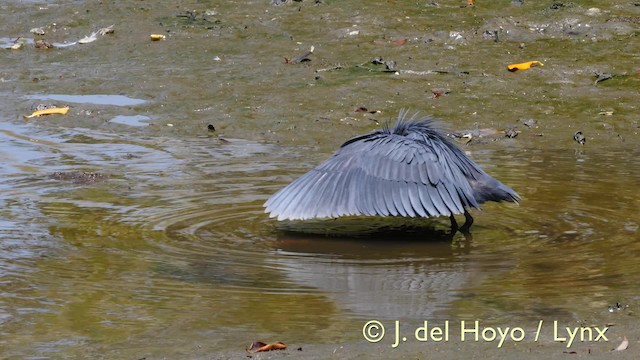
[[172, 255]]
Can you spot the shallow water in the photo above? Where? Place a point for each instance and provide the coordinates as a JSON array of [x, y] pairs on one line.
[[173, 256], [117, 100]]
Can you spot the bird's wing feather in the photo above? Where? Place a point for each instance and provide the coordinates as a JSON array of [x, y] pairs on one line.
[[379, 174]]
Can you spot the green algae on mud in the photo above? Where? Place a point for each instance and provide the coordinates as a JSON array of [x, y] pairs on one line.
[[173, 256]]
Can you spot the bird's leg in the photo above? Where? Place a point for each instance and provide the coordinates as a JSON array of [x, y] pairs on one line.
[[468, 221], [454, 225]]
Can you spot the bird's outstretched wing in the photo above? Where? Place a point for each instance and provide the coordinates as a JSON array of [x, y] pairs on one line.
[[397, 172]]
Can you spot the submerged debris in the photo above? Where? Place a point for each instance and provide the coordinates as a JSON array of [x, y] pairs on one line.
[[17, 44], [191, 15], [192, 19], [41, 44], [559, 5], [284, 2], [37, 31], [302, 58], [529, 122], [471, 135], [363, 109], [389, 64], [79, 177], [617, 307], [106, 30], [600, 77], [492, 35], [511, 132]]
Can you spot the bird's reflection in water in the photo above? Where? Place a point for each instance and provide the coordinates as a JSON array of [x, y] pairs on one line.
[[391, 272]]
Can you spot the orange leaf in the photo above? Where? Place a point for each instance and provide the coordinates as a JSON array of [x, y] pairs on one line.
[[259, 346]]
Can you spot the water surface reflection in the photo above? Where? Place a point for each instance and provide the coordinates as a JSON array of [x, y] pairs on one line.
[[176, 241]]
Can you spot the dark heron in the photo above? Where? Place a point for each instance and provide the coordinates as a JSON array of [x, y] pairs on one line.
[[410, 170]]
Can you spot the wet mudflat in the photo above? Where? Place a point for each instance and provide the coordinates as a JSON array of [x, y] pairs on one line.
[[129, 228]]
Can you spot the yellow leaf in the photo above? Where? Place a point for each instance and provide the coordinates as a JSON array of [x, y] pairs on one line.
[[61, 111], [524, 65]]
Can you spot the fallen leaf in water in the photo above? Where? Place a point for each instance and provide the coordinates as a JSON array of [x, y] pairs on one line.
[[157, 37], [61, 111], [524, 65], [623, 345], [259, 346]]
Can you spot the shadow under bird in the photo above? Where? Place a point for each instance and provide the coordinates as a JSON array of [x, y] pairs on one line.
[[410, 170]]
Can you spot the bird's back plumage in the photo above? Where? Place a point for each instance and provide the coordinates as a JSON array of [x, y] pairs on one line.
[[410, 170]]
